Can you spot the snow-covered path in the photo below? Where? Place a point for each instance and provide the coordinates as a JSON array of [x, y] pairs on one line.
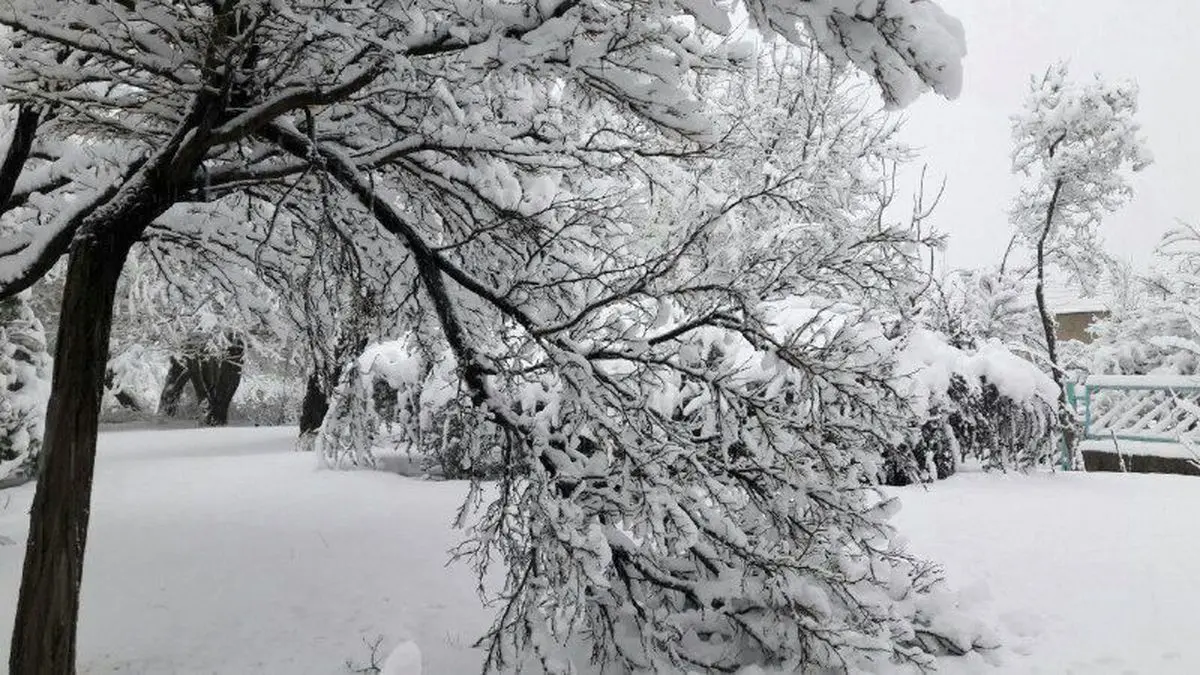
[[223, 551]]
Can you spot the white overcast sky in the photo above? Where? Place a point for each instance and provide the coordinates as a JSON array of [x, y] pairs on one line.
[[967, 140]]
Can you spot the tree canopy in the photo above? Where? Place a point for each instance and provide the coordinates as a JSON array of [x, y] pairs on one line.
[[690, 444]]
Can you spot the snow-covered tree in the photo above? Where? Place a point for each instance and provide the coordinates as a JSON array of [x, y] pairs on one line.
[[508, 153], [973, 307], [1154, 327], [1075, 144], [654, 371]]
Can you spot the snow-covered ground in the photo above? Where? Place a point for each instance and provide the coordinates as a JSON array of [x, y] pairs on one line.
[[223, 551], [1088, 573]]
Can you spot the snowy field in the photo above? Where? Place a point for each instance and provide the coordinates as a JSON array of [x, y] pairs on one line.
[[223, 551]]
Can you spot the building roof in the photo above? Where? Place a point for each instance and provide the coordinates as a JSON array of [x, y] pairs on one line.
[[1067, 297]]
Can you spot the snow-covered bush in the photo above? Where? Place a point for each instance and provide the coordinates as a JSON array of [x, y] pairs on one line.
[[973, 307], [395, 396], [1157, 338], [135, 378], [987, 404], [352, 424], [24, 386], [268, 398], [377, 394]]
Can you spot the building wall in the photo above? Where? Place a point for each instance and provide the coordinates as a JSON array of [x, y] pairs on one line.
[[1074, 325]]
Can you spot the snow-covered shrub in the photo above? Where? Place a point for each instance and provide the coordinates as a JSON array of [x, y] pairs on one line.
[[24, 386], [268, 398], [1165, 343], [377, 395], [974, 307], [135, 378], [987, 404], [352, 424], [394, 395], [1160, 334]]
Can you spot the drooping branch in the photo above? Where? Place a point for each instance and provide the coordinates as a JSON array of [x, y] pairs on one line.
[[348, 175], [430, 265]]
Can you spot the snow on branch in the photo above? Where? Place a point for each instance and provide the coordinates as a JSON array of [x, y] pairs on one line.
[[907, 46], [288, 100]]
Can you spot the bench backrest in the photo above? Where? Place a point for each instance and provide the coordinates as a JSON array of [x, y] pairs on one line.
[[1153, 408]]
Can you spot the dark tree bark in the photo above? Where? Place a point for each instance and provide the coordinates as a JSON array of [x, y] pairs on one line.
[[314, 406], [176, 381], [385, 399], [323, 379], [44, 632], [28, 119], [124, 398], [43, 639], [216, 379]]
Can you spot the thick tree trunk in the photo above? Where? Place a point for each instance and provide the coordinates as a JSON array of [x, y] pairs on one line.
[[176, 382], [216, 380], [43, 640], [314, 406]]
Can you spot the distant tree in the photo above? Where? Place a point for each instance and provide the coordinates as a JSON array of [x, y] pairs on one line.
[[1155, 325], [196, 315], [1075, 144]]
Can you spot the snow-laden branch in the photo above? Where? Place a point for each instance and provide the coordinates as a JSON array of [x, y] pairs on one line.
[[288, 100], [25, 258], [344, 170], [94, 42]]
